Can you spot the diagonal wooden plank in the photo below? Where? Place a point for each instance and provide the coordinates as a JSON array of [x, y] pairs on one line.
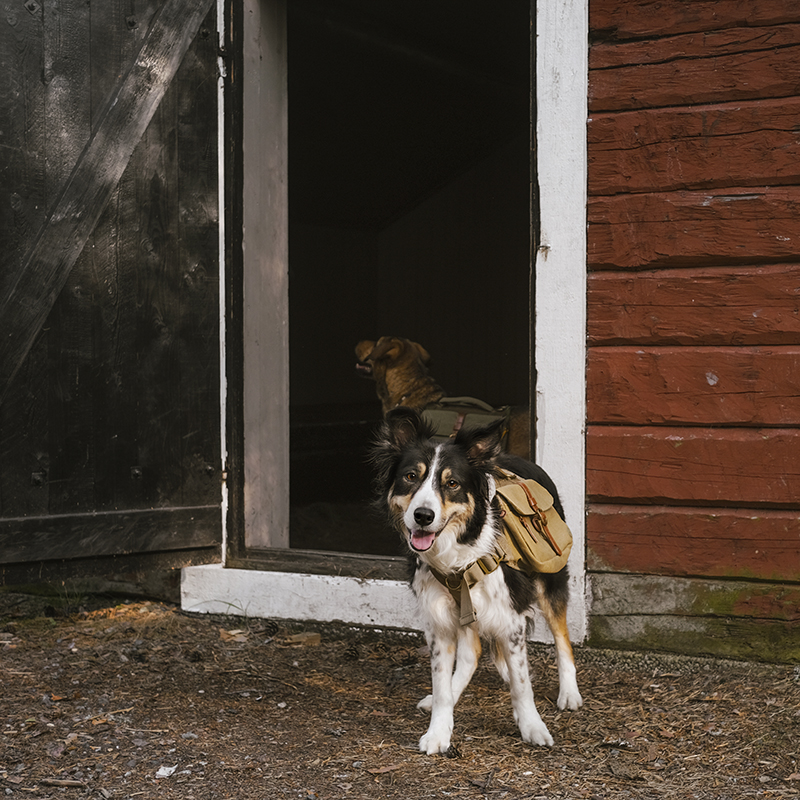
[[75, 213]]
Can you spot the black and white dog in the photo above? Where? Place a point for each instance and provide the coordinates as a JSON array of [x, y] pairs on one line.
[[440, 496]]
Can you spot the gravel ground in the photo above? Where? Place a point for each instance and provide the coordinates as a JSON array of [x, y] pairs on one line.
[[110, 698]]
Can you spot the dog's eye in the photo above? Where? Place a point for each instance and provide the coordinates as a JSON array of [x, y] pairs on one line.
[[411, 476], [451, 484]]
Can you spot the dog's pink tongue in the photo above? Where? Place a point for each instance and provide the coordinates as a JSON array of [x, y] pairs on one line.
[[422, 540]]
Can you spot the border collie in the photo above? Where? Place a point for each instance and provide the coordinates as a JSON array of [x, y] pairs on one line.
[[441, 498]]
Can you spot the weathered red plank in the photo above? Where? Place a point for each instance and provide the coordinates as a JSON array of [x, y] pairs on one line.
[[697, 147], [710, 43], [761, 306], [694, 386], [620, 20], [694, 466], [678, 81], [694, 228], [713, 542]]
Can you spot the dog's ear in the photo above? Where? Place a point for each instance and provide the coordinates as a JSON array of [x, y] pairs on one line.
[[404, 425], [400, 427], [483, 445], [386, 346]]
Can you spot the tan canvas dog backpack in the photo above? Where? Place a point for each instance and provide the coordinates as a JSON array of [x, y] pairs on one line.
[[537, 539]]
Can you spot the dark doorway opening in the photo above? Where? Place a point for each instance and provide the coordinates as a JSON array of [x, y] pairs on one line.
[[409, 215]]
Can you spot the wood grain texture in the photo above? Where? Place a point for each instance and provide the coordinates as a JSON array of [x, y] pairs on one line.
[[46, 265], [116, 533], [722, 41], [686, 81], [148, 573], [67, 64], [694, 229], [118, 30], [753, 305], [24, 441], [724, 619], [197, 232], [612, 19], [78, 433], [23, 202], [757, 386], [313, 562], [712, 542], [694, 466], [22, 109], [743, 144]]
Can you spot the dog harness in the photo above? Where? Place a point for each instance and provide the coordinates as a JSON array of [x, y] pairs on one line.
[[534, 539]]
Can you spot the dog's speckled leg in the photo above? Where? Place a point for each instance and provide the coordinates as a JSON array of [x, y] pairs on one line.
[[531, 726], [467, 655], [437, 738]]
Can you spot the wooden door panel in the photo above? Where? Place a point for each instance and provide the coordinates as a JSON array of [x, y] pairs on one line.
[[109, 369]]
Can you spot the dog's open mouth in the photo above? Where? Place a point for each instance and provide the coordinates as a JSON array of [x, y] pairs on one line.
[[365, 368], [422, 540]]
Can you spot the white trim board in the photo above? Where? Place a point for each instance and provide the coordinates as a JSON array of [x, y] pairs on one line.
[[560, 347], [562, 71], [214, 589]]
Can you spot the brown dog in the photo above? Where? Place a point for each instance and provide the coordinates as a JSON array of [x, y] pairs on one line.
[[399, 368]]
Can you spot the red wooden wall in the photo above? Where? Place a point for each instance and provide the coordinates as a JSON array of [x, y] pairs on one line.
[[693, 441]]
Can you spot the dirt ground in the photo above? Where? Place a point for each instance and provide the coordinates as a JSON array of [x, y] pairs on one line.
[[109, 698]]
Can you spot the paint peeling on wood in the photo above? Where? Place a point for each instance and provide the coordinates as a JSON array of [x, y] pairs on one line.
[[655, 18], [713, 75], [667, 307], [694, 386], [761, 544], [695, 147], [727, 41], [694, 466], [732, 619], [694, 229]]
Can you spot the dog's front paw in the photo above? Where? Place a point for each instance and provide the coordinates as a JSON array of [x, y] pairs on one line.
[[435, 741], [536, 733], [426, 704], [570, 698]]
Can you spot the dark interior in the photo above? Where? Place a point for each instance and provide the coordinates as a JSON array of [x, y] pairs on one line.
[[409, 198]]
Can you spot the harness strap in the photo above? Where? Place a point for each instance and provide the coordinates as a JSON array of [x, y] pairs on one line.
[[459, 583]]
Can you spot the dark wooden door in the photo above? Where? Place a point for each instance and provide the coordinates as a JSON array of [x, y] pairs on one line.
[[109, 290]]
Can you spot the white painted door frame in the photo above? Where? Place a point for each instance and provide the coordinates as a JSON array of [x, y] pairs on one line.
[[560, 329], [562, 69]]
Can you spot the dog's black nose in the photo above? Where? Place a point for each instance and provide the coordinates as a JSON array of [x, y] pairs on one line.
[[423, 516]]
